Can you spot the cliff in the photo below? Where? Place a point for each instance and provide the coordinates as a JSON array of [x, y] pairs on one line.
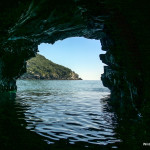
[[41, 68]]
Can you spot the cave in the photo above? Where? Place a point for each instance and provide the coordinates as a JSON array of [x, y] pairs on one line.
[[121, 26]]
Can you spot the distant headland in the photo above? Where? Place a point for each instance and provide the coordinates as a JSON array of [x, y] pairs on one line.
[[43, 69]]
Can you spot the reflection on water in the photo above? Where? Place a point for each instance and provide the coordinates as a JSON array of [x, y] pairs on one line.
[[69, 110], [64, 115]]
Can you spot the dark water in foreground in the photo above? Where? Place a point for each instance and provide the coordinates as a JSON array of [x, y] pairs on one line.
[[61, 115], [67, 110]]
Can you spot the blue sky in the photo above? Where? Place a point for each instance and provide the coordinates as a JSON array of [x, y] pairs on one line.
[[79, 54]]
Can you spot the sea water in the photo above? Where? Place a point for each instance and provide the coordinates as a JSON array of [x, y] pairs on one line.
[[67, 109]]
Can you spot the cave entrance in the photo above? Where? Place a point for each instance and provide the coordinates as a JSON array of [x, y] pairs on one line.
[[79, 54], [69, 110]]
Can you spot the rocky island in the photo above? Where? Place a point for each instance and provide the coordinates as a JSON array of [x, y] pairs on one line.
[[41, 68]]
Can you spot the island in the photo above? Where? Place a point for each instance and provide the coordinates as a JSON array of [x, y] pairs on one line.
[[43, 69]]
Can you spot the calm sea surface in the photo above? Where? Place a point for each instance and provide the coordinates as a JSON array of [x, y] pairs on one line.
[[71, 110], [68, 115]]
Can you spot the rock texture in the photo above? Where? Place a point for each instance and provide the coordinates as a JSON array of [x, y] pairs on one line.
[[121, 26], [43, 69]]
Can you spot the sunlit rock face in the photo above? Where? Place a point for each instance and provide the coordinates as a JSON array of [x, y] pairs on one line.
[[122, 28]]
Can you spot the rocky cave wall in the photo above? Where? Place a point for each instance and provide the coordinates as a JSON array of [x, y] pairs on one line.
[[121, 26]]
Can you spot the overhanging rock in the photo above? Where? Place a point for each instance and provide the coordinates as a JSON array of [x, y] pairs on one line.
[[122, 28]]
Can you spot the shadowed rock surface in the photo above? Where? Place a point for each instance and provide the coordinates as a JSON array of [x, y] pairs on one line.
[[121, 26], [41, 68]]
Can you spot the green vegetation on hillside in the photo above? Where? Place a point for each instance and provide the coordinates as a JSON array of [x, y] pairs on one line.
[[41, 68]]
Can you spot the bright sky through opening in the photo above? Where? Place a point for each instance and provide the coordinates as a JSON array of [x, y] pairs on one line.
[[79, 54]]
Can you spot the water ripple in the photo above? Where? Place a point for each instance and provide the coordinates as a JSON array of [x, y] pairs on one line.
[[71, 111]]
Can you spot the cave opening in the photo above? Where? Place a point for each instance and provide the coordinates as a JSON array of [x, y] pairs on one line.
[[61, 109], [79, 54]]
